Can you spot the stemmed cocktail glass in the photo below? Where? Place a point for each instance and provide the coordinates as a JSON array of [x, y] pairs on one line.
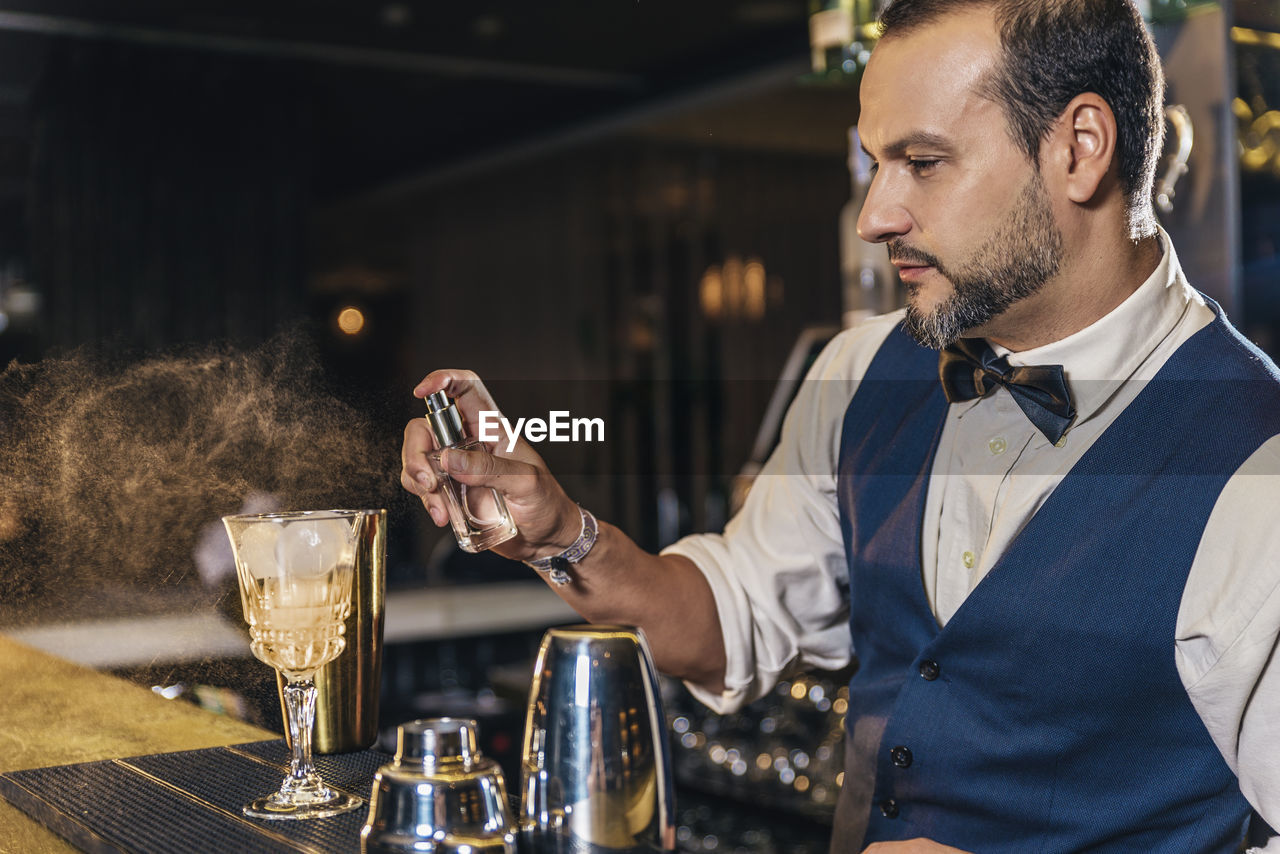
[[295, 572]]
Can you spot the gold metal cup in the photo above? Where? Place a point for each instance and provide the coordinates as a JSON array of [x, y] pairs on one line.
[[347, 688]]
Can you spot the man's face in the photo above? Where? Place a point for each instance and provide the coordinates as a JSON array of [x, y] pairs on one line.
[[967, 218]]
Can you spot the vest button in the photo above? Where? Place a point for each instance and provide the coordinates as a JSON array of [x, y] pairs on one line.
[[929, 670], [901, 756], [889, 808]]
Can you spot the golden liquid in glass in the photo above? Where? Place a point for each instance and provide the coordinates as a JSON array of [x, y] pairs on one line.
[[297, 626]]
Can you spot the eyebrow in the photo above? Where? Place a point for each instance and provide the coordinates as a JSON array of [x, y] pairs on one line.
[[919, 138]]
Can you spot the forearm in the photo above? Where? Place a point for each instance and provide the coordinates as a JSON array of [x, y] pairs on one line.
[[665, 595]]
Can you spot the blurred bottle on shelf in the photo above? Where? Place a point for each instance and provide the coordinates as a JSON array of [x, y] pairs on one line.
[[841, 36], [786, 749], [870, 283]]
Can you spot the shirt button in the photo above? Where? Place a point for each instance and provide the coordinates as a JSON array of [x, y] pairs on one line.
[[929, 670], [901, 756], [998, 445], [889, 808], [1061, 442], [968, 559]]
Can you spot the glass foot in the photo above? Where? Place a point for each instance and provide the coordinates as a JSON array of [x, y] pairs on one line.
[[277, 807]]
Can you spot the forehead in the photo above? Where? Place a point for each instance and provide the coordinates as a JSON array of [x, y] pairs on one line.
[[927, 80]]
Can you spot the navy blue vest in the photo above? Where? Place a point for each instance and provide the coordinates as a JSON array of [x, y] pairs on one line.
[[1047, 715]]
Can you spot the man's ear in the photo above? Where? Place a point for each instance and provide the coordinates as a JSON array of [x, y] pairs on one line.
[[1082, 146]]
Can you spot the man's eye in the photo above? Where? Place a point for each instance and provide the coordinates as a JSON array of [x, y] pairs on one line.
[[921, 164]]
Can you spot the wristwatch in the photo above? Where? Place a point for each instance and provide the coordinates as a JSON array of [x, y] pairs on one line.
[[556, 567]]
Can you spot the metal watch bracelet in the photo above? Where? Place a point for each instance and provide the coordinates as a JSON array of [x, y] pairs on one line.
[[556, 567]]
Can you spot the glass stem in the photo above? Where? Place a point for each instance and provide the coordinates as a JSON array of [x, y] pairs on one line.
[[300, 706]]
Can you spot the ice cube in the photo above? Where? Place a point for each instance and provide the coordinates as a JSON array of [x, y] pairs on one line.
[[311, 547], [257, 549]]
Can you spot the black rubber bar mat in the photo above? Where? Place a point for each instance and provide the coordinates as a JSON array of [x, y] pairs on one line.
[[189, 802]]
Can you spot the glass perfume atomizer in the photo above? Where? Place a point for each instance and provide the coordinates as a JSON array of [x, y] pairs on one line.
[[478, 514]]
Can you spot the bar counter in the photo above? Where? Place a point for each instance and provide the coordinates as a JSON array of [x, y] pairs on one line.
[[53, 712]]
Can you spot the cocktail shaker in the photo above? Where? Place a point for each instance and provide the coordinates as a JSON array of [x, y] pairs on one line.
[[348, 687], [439, 796], [596, 766]]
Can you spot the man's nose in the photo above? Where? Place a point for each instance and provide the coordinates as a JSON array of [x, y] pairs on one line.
[[883, 217]]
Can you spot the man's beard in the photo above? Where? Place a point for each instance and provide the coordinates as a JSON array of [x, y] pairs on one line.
[[1013, 263]]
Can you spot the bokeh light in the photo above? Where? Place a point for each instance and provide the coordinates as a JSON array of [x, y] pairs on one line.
[[351, 320]]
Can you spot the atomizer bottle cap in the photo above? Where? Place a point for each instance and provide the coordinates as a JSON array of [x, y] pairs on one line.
[[445, 419]]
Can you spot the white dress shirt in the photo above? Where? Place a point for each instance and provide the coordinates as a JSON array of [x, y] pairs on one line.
[[780, 580]]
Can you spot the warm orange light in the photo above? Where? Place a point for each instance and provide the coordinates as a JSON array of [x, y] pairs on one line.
[[711, 293], [753, 280], [734, 286], [738, 289], [351, 320]]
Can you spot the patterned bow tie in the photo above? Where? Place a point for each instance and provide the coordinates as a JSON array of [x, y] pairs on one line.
[[969, 368]]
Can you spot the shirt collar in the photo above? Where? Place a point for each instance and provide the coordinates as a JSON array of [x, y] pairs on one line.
[[1099, 358]]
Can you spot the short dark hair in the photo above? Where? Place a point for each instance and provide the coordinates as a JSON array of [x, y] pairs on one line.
[[1054, 50]]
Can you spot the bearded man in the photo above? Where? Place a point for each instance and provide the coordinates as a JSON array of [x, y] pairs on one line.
[[1050, 546]]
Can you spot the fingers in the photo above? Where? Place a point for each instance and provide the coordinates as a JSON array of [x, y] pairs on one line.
[[514, 478], [457, 384], [420, 484], [472, 399], [514, 469], [436, 509], [416, 474], [427, 487], [544, 514]]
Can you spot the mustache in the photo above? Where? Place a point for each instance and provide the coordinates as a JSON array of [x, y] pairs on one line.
[[902, 252]]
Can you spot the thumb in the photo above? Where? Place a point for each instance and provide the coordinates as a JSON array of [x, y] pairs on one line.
[[480, 468]]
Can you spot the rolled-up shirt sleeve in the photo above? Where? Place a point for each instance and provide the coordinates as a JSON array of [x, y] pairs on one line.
[[1228, 631], [778, 572]]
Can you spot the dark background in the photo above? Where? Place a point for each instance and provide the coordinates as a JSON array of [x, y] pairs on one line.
[[533, 191]]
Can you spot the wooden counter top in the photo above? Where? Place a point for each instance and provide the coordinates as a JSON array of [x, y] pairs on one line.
[[53, 712]]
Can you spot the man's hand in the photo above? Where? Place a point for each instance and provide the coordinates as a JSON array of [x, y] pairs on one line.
[[547, 518], [911, 846], [667, 596]]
